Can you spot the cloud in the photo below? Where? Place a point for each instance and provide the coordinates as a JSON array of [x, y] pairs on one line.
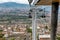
[[18, 1]]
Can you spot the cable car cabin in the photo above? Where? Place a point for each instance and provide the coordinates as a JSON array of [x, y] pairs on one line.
[[43, 16], [30, 16]]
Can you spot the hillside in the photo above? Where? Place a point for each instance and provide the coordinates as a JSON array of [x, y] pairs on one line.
[[13, 4]]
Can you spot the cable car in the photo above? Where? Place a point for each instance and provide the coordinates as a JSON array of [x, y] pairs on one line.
[[30, 16]]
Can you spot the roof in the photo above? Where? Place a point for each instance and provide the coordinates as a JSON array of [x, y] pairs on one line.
[[45, 2], [44, 36]]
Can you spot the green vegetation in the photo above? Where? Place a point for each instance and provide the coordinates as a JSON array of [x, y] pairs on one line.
[[1, 30], [12, 17], [29, 30], [46, 27], [12, 38], [1, 35], [58, 38]]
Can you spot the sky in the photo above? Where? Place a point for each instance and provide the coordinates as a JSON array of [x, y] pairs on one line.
[[18, 1]]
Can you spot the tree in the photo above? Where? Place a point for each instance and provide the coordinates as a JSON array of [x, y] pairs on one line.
[[28, 31], [1, 35]]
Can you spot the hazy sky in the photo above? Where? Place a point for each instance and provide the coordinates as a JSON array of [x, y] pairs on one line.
[[18, 1]]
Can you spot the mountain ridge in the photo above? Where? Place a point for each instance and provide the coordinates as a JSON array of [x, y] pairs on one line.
[[13, 4]]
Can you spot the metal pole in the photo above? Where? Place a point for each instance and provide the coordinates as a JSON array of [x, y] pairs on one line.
[[34, 26], [54, 19]]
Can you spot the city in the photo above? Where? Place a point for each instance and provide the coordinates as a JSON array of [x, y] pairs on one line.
[[27, 21]]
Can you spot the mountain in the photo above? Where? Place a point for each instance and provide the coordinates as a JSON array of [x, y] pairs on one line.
[[13, 4]]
